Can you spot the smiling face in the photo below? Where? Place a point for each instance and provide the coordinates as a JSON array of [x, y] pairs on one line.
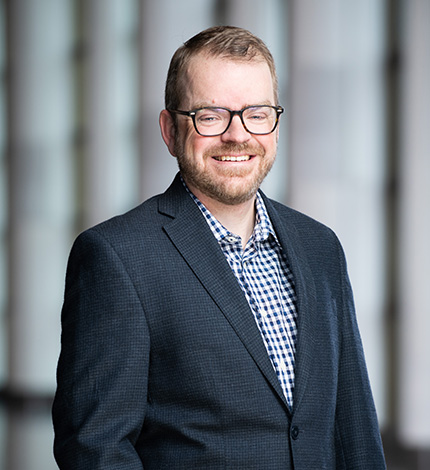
[[231, 167]]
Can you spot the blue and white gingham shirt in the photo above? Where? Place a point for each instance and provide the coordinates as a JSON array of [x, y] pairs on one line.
[[264, 275]]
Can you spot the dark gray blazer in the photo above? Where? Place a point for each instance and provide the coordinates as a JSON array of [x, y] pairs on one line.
[[163, 367]]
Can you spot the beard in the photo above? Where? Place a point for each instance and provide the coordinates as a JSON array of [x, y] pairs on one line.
[[231, 185]]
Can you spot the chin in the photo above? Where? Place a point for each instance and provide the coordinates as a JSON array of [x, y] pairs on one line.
[[230, 193]]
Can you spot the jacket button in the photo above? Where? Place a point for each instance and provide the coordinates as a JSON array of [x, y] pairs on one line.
[[295, 432]]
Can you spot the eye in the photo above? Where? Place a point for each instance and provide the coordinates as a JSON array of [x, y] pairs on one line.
[[257, 114], [207, 117]]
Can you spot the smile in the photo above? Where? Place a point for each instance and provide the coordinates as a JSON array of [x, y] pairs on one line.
[[231, 158]]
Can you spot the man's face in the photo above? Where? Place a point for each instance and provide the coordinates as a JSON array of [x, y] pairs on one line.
[[228, 168]]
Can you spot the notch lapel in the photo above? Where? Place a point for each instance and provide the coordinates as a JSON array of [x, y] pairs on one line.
[[306, 298]]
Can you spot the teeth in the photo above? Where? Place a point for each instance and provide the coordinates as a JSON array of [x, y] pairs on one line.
[[230, 158]]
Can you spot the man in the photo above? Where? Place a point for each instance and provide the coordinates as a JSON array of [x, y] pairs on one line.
[[210, 327]]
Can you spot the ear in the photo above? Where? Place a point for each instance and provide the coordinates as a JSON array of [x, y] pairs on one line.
[[168, 130]]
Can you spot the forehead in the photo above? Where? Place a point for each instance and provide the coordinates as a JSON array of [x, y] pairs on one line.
[[225, 82]]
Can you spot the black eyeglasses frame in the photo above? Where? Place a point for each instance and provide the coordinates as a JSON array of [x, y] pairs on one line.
[[192, 114]]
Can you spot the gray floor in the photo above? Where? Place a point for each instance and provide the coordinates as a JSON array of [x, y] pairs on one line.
[[26, 441]]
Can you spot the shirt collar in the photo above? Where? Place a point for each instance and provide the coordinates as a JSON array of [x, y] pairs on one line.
[[263, 228]]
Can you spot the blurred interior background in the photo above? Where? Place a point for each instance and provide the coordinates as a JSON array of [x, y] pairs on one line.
[[81, 87]]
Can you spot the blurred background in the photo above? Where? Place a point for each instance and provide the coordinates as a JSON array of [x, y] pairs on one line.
[[81, 87]]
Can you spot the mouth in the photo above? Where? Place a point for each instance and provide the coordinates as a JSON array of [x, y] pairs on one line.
[[233, 158]]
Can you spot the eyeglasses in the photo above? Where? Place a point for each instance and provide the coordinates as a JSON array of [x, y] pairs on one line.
[[211, 121]]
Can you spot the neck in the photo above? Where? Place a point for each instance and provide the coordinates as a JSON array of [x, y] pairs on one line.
[[238, 219]]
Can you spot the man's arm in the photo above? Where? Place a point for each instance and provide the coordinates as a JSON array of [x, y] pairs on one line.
[[358, 441], [100, 401]]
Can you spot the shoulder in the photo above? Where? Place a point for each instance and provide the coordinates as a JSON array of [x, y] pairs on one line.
[[295, 220], [123, 234], [148, 217], [143, 228], [312, 239], [134, 220]]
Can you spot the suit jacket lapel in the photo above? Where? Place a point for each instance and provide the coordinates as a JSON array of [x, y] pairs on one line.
[[306, 298], [193, 238]]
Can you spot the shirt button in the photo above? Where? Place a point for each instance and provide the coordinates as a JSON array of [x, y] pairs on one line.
[[295, 432]]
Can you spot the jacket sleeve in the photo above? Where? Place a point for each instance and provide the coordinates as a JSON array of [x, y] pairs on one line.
[[357, 436], [99, 407]]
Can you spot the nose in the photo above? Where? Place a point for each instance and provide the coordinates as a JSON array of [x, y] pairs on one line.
[[236, 132]]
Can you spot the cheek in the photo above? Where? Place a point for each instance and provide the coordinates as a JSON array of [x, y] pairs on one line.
[[274, 140], [194, 146], [269, 143], [183, 141]]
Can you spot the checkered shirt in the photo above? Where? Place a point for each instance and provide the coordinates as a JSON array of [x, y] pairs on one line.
[[265, 277]]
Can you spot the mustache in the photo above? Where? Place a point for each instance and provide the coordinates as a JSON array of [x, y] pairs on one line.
[[234, 148]]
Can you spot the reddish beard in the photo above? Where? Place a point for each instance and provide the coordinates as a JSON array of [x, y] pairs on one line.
[[226, 192]]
